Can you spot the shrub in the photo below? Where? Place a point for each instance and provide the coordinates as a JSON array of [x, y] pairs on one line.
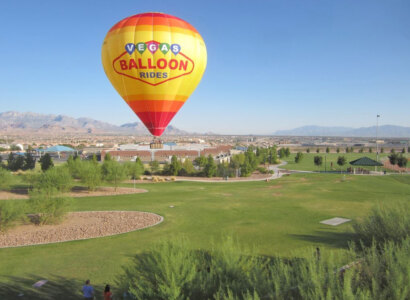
[[113, 172], [172, 270], [31, 177], [6, 179], [389, 222], [54, 181], [48, 209], [90, 174], [9, 214]]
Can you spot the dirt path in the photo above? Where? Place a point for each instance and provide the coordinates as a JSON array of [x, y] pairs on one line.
[[79, 226]]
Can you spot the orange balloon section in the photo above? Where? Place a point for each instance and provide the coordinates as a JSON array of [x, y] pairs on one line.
[[154, 61]]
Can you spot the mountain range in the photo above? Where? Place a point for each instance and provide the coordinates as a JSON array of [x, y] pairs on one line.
[[13, 122], [391, 131], [27, 122]]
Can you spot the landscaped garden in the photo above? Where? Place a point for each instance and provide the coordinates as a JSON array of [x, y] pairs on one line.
[[279, 218]]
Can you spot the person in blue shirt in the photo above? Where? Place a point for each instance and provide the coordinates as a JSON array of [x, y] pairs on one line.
[[88, 291]]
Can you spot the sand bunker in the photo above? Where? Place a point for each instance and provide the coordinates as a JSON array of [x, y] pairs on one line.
[[79, 226]]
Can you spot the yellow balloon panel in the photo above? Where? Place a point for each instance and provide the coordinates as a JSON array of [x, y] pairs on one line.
[[154, 61]]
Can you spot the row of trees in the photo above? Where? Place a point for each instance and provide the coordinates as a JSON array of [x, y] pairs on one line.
[[318, 161], [26, 162], [361, 150]]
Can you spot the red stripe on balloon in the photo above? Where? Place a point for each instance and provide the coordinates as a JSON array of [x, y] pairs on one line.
[[153, 19], [156, 122]]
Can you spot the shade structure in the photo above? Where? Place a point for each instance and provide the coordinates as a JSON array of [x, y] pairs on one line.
[[365, 162], [59, 148]]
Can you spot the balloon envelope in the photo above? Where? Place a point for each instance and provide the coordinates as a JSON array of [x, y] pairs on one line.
[[154, 61]]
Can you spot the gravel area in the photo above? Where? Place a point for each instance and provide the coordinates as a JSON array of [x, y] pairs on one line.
[[78, 226]]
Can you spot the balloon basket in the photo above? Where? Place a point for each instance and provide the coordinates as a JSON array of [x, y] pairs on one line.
[[156, 144]]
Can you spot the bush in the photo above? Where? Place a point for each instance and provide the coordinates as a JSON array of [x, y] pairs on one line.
[[389, 222], [90, 174], [31, 177], [113, 172], [48, 209], [172, 270], [9, 214], [54, 181], [6, 179]]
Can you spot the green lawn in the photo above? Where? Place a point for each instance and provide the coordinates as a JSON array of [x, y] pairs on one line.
[[307, 162], [277, 217]]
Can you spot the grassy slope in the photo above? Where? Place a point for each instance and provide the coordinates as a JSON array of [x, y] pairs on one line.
[[307, 163], [278, 217]]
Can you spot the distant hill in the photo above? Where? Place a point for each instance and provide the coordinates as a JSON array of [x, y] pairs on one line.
[[383, 131], [18, 122]]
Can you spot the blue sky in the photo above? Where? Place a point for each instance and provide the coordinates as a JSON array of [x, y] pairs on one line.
[[331, 63]]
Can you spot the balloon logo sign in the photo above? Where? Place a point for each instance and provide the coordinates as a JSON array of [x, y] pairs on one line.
[[154, 61]]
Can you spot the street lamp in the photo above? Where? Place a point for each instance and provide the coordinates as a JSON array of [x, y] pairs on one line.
[[377, 135]]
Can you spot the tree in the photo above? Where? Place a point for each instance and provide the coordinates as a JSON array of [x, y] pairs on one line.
[[140, 165], [46, 162], [154, 165], [338, 150], [370, 150], [361, 150], [210, 168], [318, 160], [74, 166], [222, 170], [341, 161], [113, 172], [175, 166], [273, 155], [134, 170], [282, 153], [298, 157], [381, 150], [107, 157], [327, 150], [30, 162], [188, 167], [90, 174], [308, 150], [15, 162], [403, 150], [393, 158], [317, 150], [347, 150], [392, 151], [54, 181], [351, 150], [287, 152], [200, 161], [402, 161]]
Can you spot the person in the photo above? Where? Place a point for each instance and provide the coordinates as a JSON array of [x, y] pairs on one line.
[[88, 290], [107, 293]]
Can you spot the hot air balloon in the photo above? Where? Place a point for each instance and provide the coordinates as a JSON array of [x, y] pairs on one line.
[[154, 61]]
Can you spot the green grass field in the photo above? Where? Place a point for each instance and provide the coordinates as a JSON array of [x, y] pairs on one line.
[[307, 162], [278, 218]]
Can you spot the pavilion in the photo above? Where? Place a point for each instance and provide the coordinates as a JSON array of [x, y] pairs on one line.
[[58, 149], [365, 162]]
